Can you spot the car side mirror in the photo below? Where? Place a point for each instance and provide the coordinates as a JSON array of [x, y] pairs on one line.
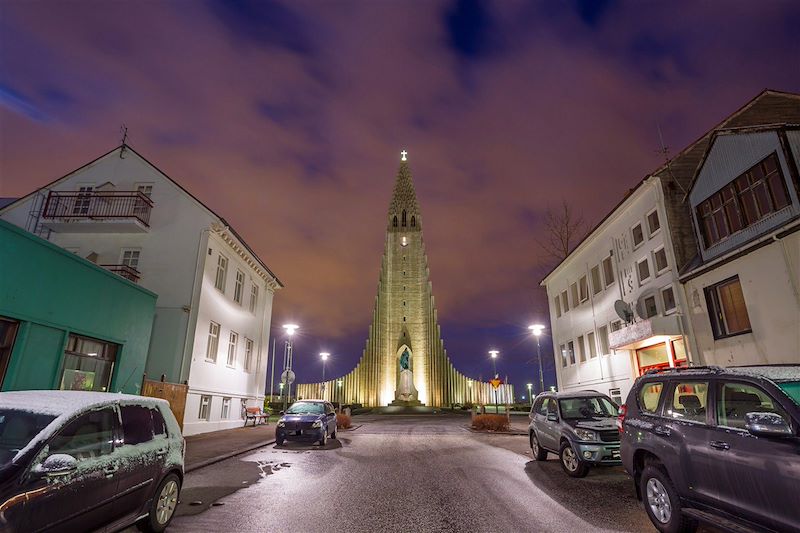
[[552, 417], [281, 413], [767, 425], [58, 464]]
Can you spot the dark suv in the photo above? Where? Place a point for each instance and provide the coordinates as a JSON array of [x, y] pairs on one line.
[[580, 427], [716, 445]]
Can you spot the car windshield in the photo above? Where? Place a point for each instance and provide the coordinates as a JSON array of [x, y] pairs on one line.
[[306, 408], [17, 429], [587, 407], [792, 390]]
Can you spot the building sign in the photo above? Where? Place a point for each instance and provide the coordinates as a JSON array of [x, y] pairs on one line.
[[623, 252]]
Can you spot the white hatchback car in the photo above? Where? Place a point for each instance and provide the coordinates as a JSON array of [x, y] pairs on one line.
[[85, 461]]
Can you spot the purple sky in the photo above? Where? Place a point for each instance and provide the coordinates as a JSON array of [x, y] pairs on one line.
[[288, 118]]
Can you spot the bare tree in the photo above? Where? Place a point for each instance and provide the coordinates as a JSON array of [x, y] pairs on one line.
[[563, 230]]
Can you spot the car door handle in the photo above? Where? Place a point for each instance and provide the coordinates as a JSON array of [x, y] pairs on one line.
[[719, 445], [162, 452], [662, 430], [110, 470]]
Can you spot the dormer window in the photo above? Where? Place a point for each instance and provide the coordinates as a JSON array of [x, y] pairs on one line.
[[404, 218]]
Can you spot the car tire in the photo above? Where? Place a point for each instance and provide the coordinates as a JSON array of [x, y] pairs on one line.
[[539, 453], [662, 503], [279, 442], [324, 440], [570, 462], [162, 508], [333, 435]]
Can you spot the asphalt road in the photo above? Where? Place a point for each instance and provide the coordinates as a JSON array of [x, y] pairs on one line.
[[405, 474]]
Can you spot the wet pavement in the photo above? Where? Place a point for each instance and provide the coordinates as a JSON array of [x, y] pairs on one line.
[[405, 473]]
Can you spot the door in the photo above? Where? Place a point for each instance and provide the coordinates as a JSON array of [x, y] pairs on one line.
[[140, 466], [330, 414], [547, 430], [83, 500], [757, 477]]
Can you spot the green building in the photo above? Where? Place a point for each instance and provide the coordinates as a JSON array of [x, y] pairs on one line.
[[66, 323]]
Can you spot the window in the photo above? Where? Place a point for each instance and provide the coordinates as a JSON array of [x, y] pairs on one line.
[[222, 270], [597, 283], [581, 349], [660, 260], [668, 298], [205, 407], [592, 346], [564, 301], [608, 271], [727, 309], [88, 364], [649, 396], [130, 257], [8, 333], [602, 333], [540, 408], [159, 424], [643, 268], [743, 202], [394, 221], [735, 400], [137, 424], [404, 218], [650, 308], [238, 287], [573, 290], [556, 303], [83, 200], [141, 206], [233, 341], [89, 436], [638, 235], [253, 298], [652, 357], [689, 401], [248, 354], [226, 408], [413, 221], [584, 289], [616, 325], [213, 342], [571, 351], [563, 349], [653, 224]]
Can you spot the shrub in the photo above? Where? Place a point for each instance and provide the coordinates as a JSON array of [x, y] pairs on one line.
[[343, 421], [491, 423]]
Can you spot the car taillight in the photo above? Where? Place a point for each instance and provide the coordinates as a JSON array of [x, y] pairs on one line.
[[623, 410]]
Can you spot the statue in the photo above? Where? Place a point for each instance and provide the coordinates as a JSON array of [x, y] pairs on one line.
[[405, 390]]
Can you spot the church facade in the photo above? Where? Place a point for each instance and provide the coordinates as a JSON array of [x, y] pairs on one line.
[[404, 361]]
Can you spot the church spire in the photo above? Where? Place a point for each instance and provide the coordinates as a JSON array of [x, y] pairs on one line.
[[404, 210]]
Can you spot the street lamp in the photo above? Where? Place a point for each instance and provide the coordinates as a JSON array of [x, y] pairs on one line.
[[537, 330], [494, 353], [324, 356], [287, 361], [530, 386]]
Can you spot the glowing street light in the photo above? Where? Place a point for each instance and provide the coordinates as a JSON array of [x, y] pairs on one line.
[[537, 330], [494, 353], [324, 356], [530, 386]]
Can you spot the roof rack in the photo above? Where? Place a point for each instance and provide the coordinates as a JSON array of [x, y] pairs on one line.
[[714, 368]]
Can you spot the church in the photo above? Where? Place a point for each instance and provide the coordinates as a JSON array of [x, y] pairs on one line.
[[404, 362]]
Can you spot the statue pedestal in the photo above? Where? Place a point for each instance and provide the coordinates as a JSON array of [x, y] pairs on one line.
[[407, 403]]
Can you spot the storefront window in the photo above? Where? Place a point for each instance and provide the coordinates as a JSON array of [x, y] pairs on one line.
[[88, 364], [679, 353], [8, 332], [652, 357]]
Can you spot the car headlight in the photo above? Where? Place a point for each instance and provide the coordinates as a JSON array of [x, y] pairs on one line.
[[317, 424], [281, 423], [586, 434]]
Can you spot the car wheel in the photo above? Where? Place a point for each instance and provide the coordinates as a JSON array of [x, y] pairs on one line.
[[279, 442], [539, 453], [570, 461], [324, 440], [333, 435], [162, 509], [662, 503]]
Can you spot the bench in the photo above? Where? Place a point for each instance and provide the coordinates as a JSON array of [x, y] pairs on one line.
[[256, 415]]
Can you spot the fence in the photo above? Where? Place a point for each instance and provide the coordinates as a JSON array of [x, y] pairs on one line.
[[174, 393]]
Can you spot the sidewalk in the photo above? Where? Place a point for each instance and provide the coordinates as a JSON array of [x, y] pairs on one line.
[[209, 448]]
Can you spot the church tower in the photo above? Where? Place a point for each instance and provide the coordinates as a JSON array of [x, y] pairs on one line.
[[404, 361]]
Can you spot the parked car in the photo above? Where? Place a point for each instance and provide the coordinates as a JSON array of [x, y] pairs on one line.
[[719, 445], [86, 461], [579, 427], [307, 420]]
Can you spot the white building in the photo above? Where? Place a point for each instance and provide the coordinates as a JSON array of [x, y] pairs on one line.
[[211, 328], [743, 286]]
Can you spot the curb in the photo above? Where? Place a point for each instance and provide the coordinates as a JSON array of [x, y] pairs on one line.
[[516, 433], [220, 458]]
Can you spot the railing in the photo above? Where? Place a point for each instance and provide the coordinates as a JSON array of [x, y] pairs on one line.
[[127, 272], [98, 205]]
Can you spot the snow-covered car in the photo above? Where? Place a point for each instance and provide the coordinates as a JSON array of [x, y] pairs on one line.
[[86, 461]]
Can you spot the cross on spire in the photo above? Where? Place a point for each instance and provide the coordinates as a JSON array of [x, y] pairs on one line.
[[403, 156]]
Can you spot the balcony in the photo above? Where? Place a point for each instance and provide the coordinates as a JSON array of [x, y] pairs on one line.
[[127, 272], [97, 212]]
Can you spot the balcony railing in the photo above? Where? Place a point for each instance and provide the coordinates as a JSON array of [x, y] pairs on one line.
[[127, 272], [98, 205]]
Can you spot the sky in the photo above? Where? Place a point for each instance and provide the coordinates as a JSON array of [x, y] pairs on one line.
[[287, 119]]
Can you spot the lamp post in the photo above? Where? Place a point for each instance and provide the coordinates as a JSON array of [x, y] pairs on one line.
[[494, 353], [324, 357], [287, 361], [537, 330], [530, 395]]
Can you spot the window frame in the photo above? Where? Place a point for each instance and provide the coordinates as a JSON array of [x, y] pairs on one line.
[[716, 313], [220, 278], [206, 407], [655, 306], [556, 305], [225, 408], [633, 235], [573, 294], [597, 284], [661, 292], [565, 301], [591, 342], [652, 232], [581, 342], [254, 290], [604, 348], [212, 338], [248, 355], [643, 281], [717, 395], [658, 410], [710, 397], [238, 286], [583, 288], [137, 251], [658, 271], [610, 261], [233, 347]]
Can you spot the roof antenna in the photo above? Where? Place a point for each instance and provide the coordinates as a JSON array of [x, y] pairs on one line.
[[665, 152], [124, 131]]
